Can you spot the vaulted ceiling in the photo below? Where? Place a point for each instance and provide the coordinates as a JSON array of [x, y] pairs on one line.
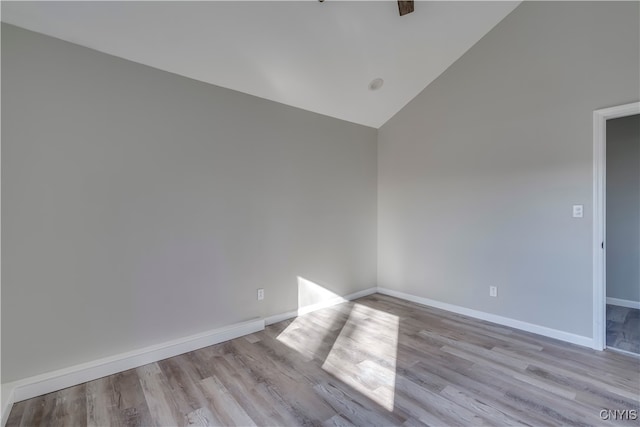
[[316, 56]]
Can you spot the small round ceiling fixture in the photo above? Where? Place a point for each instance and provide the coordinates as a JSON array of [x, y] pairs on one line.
[[376, 84]]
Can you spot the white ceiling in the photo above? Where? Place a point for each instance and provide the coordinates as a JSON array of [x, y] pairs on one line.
[[316, 56]]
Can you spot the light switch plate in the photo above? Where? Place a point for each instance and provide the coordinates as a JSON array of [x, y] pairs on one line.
[[578, 211]]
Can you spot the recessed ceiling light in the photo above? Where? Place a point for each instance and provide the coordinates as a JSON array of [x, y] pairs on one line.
[[376, 84]]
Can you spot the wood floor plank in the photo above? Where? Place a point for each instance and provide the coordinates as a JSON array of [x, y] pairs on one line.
[[202, 417], [262, 388], [128, 394], [32, 410], [70, 408], [355, 407], [418, 414], [100, 402], [488, 392], [288, 383], [224, 404], [157, 393], [17, 412], [44, 413], [562, 409], [434, 403], [337, 421], [487, 412], [251, 397], [616, 383], [412, 422], [184, 390], [262, 376], [374, 361]]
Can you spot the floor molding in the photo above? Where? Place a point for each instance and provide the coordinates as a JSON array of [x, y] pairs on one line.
[[280, 317], [313, 307], [621, 351], [6, 395], [67, 377], [494, 318], [78, 374], [623, 303], [348, 364]]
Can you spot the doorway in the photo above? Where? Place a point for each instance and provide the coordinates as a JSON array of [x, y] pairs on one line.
[[622, 234], [600, 119]]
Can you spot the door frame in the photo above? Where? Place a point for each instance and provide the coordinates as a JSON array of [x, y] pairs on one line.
[[600, 118]]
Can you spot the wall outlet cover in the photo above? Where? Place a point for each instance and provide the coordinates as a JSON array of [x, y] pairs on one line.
[[578, 211]]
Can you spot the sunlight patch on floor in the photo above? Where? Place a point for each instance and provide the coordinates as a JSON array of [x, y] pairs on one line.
[[371, 372], [307, 334], [303, 336], [357, 344]]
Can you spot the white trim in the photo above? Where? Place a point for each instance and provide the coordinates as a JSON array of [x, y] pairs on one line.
[[600, 118], [280, 317], [505, 321], [78, 374], [334, 301], [623, 303], [7, 403], [628, 353], [313, 307]]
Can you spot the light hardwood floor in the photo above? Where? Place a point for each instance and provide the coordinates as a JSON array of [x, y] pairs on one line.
[[374, 361]]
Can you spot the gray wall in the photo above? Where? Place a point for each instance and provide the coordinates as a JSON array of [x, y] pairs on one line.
[[623, 208], [139, 206], [478, 173]]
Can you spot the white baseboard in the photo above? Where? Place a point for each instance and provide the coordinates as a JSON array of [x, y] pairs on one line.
[[6, 395], [334, 301], [623, 303], [505, 321], [78, 374], [280, 317], [67, 377], [628, 353], [313, 307]]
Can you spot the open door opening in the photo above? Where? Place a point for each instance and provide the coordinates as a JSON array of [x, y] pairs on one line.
[[616, 228]]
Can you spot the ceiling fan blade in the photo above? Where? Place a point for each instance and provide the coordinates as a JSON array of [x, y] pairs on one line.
[[405, 7]]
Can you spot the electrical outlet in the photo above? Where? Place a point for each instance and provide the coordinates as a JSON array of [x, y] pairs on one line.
[[260, 294], [493, 291], [578, 211]]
